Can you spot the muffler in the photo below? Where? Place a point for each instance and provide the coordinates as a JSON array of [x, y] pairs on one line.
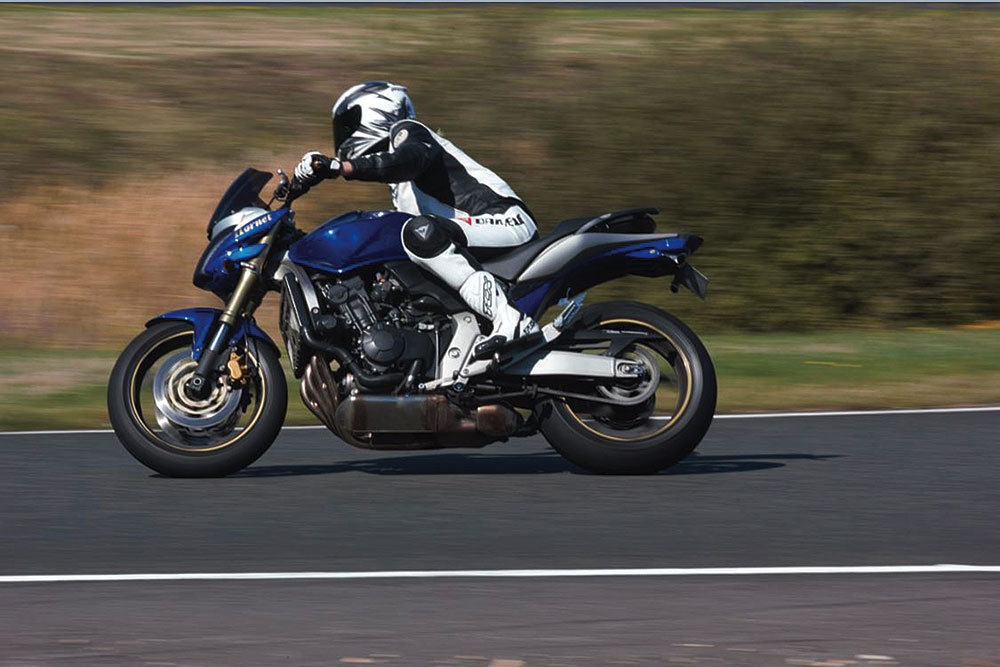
[[402, 422], [421, 422]]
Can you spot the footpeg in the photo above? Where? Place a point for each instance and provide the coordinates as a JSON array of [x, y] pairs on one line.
[[500, 348], [506, 348], [486, 349]]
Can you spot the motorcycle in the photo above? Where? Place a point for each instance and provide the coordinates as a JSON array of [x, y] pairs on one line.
[[389, 357]]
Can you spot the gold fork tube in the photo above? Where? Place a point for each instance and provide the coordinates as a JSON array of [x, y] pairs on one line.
[[247, 281], [235, 304]]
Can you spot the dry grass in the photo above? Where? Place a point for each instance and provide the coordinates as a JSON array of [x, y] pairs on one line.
[[193, 31], [93, 263], [89, 266], [819, 152]]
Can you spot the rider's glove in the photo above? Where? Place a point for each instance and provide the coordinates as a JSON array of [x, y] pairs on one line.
[[314, 167]]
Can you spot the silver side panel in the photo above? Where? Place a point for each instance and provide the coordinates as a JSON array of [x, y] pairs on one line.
[[554, 258]]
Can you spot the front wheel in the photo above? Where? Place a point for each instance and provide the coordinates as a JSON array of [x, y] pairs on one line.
[[646, 426], [180, 436]]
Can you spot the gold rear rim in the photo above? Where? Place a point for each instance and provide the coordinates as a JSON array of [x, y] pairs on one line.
[[681, 367]]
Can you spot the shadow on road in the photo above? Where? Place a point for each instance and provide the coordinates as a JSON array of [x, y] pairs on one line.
[[452, 463]]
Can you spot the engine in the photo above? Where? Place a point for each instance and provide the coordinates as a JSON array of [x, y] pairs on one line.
[[386, 335], [376, 322]]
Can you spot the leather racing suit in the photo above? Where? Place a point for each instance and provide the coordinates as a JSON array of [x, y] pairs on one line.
[[458, 205]]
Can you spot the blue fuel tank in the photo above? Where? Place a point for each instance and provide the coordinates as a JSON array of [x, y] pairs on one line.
[[351, 241]]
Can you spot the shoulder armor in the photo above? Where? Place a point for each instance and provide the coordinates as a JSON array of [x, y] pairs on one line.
[[406, 130]]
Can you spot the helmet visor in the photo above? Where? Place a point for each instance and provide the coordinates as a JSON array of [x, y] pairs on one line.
[[345, 124]]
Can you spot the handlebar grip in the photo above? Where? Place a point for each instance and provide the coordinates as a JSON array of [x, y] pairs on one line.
[[295, 190]]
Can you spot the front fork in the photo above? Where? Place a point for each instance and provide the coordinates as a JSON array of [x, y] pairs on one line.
[[199, 385]]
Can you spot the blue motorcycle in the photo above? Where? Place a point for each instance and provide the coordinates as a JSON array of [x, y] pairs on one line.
[[390, 358]]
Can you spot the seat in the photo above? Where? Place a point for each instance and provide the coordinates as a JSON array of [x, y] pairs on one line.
[[509, 265]]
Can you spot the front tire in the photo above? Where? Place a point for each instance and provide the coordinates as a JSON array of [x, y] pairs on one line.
[[244, 432], [635, 440]]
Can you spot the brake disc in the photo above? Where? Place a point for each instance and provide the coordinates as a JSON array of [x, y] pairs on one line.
[[188, 418]]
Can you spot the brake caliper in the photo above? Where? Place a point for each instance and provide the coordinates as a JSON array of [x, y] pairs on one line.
[[237, 371]]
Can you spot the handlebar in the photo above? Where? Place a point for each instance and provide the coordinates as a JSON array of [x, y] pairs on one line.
[[287, 191]]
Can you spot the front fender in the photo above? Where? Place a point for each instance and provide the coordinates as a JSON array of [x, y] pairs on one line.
[[203, 318]]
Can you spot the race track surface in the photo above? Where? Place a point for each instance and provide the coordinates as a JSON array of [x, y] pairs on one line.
[[871, 490]]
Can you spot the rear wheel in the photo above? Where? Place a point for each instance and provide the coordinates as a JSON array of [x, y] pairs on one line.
[[658, 419], [179, 436]]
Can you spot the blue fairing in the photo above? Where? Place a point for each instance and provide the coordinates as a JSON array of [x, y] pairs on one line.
[[351, 241], [202, 318], [218, 269], [530, 302], [258, 227]]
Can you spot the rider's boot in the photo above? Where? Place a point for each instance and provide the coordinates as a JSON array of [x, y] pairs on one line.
[[483, 294]]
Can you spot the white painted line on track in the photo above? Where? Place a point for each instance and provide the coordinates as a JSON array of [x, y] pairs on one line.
[[858, 413], [79, 432], [504, 574], [84, 431], [747, 415]]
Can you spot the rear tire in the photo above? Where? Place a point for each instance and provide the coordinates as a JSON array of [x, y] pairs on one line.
[[602, 450], [153, 448]]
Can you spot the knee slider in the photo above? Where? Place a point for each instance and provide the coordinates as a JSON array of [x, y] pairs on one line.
[[428, 236]]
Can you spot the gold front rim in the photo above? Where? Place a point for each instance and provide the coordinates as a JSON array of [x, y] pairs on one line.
[[133, 404], [677, 414]]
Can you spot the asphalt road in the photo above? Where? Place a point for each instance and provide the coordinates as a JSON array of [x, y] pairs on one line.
[[873, 490]]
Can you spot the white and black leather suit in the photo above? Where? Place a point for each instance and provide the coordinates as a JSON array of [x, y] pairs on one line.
[[459, 205]]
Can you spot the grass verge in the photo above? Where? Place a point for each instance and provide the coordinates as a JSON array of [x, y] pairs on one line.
[[44, 388]]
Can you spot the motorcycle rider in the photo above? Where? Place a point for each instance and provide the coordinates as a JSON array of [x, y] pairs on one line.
[[457, 203]]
